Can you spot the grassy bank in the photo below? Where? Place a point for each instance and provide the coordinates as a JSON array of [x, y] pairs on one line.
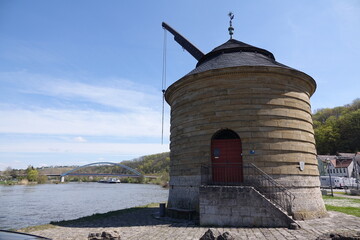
[[347, 210], [17, 182], [342, 204], [7, 183], [87, 219]]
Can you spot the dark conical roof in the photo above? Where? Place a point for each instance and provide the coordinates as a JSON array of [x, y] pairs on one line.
[[234, 53]]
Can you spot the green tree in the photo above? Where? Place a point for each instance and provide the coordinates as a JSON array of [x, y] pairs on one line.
[[349, 129], [326, 138], [355, 105], [32, 174], [338, 129]]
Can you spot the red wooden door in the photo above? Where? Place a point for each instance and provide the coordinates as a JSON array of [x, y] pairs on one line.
[[226, 160]]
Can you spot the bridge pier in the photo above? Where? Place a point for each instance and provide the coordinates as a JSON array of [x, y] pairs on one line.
[[62, 179]]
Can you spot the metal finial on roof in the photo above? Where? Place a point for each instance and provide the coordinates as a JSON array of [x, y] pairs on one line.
[[231, 29]]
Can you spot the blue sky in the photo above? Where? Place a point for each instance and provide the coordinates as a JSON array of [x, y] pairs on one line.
[[80, 81]]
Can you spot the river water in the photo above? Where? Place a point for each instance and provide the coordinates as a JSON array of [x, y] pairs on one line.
[[23, 206]]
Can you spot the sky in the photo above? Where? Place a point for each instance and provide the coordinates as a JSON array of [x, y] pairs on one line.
[[81, 81]]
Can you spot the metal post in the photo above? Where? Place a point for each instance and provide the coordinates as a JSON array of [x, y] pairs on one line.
[[328, 162], [162, 209], [356, 172]]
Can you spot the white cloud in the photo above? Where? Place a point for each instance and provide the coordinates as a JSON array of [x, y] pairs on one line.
[[79, 139], [79, 122], [117, 93], [14, 164], [58, 116], [122, 98], [135, 110], [44, 165], [88, 148]]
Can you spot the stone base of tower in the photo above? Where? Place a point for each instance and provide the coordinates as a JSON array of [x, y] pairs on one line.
[[239, 206], [185, 196], [308, 202], [184, 192]]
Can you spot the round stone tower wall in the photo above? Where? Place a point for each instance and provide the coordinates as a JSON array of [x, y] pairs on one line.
[[268, 107]]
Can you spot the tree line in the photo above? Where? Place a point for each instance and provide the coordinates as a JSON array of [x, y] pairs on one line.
[[155, 164], [30, 174], [338, 129]]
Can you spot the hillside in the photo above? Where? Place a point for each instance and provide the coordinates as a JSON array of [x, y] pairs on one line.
[[155, 164], [150, 164], [338, 129]]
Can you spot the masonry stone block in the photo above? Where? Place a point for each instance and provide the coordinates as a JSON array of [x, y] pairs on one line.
[[212, 210], [248, 212], [247, 221]]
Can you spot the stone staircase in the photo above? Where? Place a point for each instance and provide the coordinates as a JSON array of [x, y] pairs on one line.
[[239, 206], [258, 201]]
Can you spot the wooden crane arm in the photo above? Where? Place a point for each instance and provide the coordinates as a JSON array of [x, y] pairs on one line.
[[188, 46]]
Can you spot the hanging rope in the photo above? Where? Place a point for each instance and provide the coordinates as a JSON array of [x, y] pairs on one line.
[[163, 87]]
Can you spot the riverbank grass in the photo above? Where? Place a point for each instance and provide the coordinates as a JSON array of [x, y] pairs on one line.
[[35, 228], [343, 204], [347, 210], [9, 183]]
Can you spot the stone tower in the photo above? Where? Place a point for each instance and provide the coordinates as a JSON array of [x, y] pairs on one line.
[[238, 107]]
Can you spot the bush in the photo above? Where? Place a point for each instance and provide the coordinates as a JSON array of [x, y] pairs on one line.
[[127, 180], [42, 179], [32, 174], [141, 179]]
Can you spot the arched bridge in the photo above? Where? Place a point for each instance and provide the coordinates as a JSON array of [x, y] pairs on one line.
[[76, 172]]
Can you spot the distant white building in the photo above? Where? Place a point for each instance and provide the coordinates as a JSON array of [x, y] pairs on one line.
[[341, 165], [357, 165]]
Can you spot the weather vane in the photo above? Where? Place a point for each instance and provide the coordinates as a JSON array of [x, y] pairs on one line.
[[231, 29]]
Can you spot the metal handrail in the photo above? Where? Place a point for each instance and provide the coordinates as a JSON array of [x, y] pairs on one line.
[[269, 187], [252, 176]]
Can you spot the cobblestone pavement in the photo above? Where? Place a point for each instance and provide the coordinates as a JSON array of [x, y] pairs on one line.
[[142, 224]]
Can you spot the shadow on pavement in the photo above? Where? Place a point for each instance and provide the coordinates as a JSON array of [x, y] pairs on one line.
[[133, 217]]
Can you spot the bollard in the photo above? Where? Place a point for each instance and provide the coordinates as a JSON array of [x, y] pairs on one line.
[[162, 209]]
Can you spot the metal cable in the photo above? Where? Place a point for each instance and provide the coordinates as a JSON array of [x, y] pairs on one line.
[[163, 87]]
